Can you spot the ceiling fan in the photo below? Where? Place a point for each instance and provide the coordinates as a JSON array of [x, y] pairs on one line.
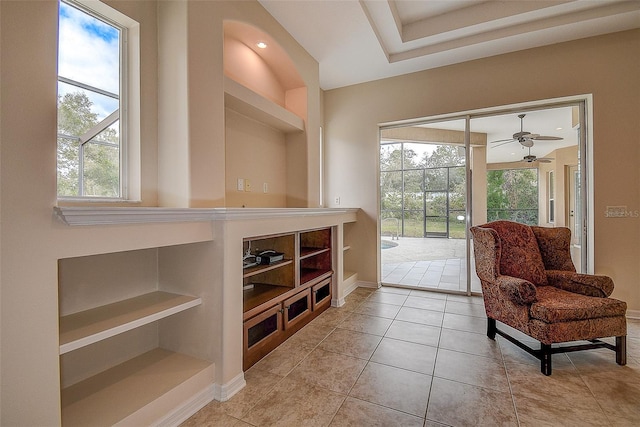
[[530, 158], [525, 138]]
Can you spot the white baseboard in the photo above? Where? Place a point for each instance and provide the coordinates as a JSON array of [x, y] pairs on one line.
[[187, 409], [633, 314], [363, 284], [355, 285], [224, 392]]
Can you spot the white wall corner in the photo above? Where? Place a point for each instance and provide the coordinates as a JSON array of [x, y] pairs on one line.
[[224, 392]]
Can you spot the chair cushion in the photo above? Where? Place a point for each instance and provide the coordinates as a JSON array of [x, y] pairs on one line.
[[557, 305], [519, 255], [555, 247]]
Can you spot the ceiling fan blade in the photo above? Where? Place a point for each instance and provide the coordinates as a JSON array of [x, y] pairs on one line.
[[522, 134], [546, 138], [504, 143], [545, 159], [503, 140]]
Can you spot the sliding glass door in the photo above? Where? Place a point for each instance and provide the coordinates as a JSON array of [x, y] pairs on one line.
[[437, 178]]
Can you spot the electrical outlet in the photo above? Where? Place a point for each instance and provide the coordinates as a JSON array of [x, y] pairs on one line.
[[240, 184], [337, 201], [247, 185], [265, 187]]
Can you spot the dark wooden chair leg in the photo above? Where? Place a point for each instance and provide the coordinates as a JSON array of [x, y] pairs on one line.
[[621, 350], [491, 328], [545, 359]]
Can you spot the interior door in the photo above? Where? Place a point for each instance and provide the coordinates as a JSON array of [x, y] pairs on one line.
[[574, 214]]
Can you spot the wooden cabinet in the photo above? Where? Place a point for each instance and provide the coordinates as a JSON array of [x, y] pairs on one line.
[[281, 297]]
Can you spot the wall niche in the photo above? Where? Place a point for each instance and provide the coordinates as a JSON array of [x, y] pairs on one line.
[[265, 116]]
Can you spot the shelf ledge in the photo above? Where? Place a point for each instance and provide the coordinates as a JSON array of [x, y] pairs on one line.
[[100, 215], [88, 327], [248, 103]]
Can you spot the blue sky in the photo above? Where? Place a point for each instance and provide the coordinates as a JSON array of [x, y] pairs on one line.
[[88, 53]]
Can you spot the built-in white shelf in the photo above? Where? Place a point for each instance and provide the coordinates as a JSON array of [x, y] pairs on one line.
[[88, 327], [138, 390], [248, 103]]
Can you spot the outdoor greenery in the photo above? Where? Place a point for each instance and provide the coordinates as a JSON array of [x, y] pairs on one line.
[[513, 194], [428, 182], [97, 159], [413, 185]]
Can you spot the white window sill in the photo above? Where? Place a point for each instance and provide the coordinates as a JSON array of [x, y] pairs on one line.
[[111, 215]]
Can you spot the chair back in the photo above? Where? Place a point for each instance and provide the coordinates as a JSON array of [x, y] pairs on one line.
[[519, 254]]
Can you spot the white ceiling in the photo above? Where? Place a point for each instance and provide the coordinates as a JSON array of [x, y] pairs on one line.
[[358, 41], [557, 121]]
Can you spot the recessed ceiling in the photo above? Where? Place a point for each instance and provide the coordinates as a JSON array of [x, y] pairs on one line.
[[358, 41]]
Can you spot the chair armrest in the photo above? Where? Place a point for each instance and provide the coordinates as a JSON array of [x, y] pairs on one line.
[[519, 291], [585, 284]]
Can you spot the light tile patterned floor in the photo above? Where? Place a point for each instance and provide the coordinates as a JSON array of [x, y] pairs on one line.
[[400, 357], [429, 263]]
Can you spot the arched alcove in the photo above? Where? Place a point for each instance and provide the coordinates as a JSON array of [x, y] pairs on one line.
[[267, 71], [265, 115]]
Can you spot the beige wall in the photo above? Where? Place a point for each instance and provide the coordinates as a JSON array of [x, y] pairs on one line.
[[257, 153], [182, 131], [603, 66]]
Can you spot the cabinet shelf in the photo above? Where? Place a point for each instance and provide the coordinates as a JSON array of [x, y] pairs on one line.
[[262, 293], [309, 274], [309, 252], [132, 391], [87, 327], [259, 269]]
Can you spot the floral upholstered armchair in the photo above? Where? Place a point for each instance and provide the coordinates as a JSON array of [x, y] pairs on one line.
[[530, 283]]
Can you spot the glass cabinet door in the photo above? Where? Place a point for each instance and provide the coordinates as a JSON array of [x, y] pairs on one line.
[[321, 294], [296, 308], [265, 326]]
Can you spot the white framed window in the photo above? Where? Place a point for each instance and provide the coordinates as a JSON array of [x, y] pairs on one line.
[[551, 197], [95, 101]]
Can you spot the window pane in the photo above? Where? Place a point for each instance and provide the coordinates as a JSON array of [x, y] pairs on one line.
[[83, 106], [68, 166], [89, 50], [89, 71], [390, 157]]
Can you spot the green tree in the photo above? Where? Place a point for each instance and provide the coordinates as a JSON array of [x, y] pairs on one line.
[[100, 156], [513, 194]]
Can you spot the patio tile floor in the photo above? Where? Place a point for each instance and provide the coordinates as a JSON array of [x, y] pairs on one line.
[[428, 263]]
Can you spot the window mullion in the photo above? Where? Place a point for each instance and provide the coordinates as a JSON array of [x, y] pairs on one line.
[[99, 127]]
